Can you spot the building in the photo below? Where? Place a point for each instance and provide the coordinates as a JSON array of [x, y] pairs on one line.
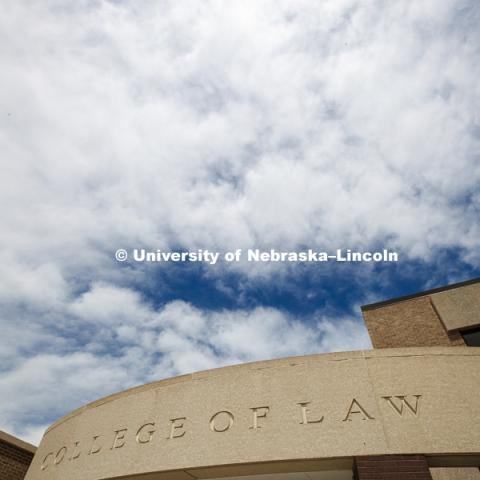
[[447, 316], [15, 457], [408, 409]]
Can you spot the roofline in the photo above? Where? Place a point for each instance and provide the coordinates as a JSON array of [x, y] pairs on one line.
[[10, 439], [451, 286]]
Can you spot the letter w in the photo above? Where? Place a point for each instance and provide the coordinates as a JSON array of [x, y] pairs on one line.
[[403, 402]]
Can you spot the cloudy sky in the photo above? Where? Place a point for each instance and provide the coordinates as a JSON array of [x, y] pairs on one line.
[[179, 125]]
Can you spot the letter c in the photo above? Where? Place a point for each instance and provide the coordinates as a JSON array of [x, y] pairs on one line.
[[44, 463]]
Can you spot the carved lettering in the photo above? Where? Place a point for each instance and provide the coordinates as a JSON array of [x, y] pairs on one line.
[[119, 438], [45, 461], [305, 412], [356, 408], [95, 448], [60, 455], [403, 402], [224, 426], [174, 426], [76, 453], [142, 429], [221, 421], [258, 412]]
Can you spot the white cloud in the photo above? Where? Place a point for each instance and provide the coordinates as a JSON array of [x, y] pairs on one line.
[[108, 304], [218, 125]]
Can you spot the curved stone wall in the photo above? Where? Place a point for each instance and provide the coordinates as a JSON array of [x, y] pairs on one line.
[[309, 412]]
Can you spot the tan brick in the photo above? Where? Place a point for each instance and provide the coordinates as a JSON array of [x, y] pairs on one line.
[[14, 461], [408, 323]]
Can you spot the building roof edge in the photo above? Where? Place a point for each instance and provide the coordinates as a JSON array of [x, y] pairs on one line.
[[424, 293], [17, 442]]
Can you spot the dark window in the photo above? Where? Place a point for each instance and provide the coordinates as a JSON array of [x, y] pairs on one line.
[[472, 337]]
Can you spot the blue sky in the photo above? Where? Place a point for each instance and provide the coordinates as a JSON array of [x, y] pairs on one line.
[[304, 288], [222, 125]]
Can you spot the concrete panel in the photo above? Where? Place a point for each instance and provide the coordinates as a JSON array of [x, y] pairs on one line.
[[458, 308]]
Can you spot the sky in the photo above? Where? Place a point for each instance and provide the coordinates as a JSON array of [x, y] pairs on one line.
[[185, 125]]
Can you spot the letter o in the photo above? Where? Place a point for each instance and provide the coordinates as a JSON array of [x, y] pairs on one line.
[[60, 455], [230, 256], [214, 427]]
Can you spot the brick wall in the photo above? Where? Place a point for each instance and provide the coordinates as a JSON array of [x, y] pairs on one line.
[[409, 323], [392, 467], [14, 461]]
